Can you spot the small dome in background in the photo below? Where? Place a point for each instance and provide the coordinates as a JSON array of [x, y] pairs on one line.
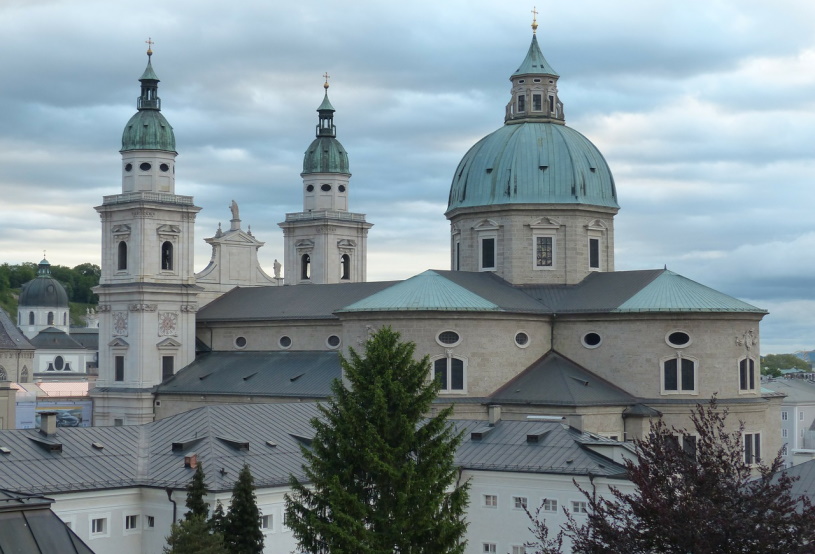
[[44, 290]]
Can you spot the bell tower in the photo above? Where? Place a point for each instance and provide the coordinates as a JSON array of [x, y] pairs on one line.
[[147, 291]]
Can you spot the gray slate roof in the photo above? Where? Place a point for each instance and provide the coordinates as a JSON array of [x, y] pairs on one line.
[[796, 390], [27, 525], [227, 436], [11, 338], [805, 485], [52, 338], [89, 338], [285, 374]]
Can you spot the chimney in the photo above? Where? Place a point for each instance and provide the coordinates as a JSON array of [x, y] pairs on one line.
[[494, 412], [575, 421], [191, 460], [48, 423]]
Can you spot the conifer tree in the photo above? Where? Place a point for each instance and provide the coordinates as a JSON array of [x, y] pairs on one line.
[[218, 520], [193, 536], [196, 491], [242, 534], [380, 475]]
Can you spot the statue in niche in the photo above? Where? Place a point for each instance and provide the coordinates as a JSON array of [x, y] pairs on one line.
[[233, 207], [276, 269]]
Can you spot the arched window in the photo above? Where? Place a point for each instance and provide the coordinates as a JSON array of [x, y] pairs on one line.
[[747, 374], [122, 257], [345, 266], [24, 375], [450, 373], [305, 267], [167, 256], [31, 318], [50, 318], [679, 376]]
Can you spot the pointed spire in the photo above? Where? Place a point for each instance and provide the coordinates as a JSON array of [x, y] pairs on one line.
[[149, 99], [534, 62], [325, 126]]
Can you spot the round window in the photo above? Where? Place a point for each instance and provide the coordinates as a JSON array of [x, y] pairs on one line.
[[164, 167], [310, 188], [521, 339], [678, 339], [285, 341], [341, 188], [145, 166], [448, 338], [128, 167], [333, 341], [592, 340], [240, 342], [325, 188]]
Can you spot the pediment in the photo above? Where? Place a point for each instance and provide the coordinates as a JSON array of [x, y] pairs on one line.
[[486, 225], [546, 222], [168, 343], [119, 342]]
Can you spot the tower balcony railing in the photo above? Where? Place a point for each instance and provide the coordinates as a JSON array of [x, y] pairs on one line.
[[148, 196], [325, 214]]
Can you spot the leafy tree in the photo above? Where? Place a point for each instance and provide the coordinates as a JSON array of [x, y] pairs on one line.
[[193, 536], [242, 534], [380, 474], [710, 502], [196, 491], [772, 364]]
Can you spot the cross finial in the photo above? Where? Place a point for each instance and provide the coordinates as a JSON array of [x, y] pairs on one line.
[[43, 254], [149, 42], [327, 77], [534, 20]]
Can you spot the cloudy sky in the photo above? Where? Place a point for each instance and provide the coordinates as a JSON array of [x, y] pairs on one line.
[[704, 109]]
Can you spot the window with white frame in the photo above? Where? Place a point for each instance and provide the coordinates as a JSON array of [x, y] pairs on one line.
[[487, 252], [752, 448], [784, 433], [594, 253], [149, 522], [131, 522], [544, 246], [679, 376], [580, 507], [784, 450], [519, 502], [450, 373], [784, 415], [517, 549], [99, 526], [491, 500], [747, 374], [267, 522], [490, 547], [549, 505]]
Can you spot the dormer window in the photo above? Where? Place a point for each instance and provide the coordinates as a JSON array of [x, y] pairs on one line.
[[521, 102]]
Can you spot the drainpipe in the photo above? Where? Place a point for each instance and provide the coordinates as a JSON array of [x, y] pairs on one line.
[[170, 498]]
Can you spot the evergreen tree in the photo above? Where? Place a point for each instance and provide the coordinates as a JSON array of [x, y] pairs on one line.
[[379, 476], [218, 520], [196, 491], [242, 534], [193, 536]]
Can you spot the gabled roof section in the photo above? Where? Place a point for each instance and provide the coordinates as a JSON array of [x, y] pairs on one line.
[[671, 292], [11, 338], [534, 62], [428, 291], [557, 381], [52, 338]]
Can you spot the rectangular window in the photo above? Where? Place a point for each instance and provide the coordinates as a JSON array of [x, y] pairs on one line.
[[491, 500], [552, 104], [689, 445], [549, 505], [518, 550], [752, 448], [580, 507], [488, 253], [594, 253], [131, 522], [537, 102], [490, 547], [784, 450], [118, 422], [747, 374], [800, 416], [544, 251], [784, 415], [266, 522], [519, 502], [167, 366], [119, 368], [521, 103], [99, 526], [150, 521], [458, 256], [784, 433]]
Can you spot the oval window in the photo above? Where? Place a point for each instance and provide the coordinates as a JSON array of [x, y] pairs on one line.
[[240, 342], [333, 341], [59, 363], [310, 188], [448, 338], [592, 340], [678, 339], [521, 339], [521, 81], [325, 188], [341, 188], [536, 80], [128, 167], [145, 166], [285, 341], [164, 167]]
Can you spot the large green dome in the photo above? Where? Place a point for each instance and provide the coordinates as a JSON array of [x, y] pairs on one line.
[[44, 290], [533, 163], [325, 155], [148, 130]]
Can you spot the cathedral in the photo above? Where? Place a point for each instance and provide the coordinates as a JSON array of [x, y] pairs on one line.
[[529, 320]]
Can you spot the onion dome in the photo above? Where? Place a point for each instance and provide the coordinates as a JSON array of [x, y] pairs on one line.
[[148, 129], [534, 158], [44, 290], [325, 154]]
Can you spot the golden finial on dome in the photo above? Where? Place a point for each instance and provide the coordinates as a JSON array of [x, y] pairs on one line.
[[150, 44], [327, 77], [534, 20]]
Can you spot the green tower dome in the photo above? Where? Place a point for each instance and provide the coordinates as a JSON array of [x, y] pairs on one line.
[[534, 158], [325, 154], [148, 129], [44, 290]]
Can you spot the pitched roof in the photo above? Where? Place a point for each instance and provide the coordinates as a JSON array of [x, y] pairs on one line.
[[89, 338], [557, 381], [52, 338], [805, 485], [285, 374], [28, 525], [11, 338]]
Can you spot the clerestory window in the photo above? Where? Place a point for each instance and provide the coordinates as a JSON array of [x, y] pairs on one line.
[[450, 373]]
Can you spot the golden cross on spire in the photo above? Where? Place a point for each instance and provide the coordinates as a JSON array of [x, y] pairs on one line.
[[149, 42], [534, 20], [327, 77]]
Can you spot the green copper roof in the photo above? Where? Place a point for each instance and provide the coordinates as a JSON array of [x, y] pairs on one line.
[[326, 105], [534, 62], [325, 155], [427, 291], [148, 130], [671, 292], [537, 163], [149, 74]]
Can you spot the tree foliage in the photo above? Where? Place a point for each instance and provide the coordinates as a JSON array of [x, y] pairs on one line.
[[196, 491], [772, 364], [242, 534], [381, 477], [193, 536], [710, 502]]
